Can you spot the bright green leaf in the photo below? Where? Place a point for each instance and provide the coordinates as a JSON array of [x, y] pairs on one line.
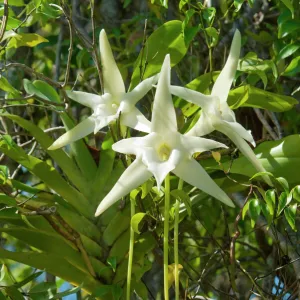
[[290, 215], [136, 222], [26, 39]]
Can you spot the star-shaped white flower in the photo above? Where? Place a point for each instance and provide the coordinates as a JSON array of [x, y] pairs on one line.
[[216, 114], [162, 151], [113, 103]]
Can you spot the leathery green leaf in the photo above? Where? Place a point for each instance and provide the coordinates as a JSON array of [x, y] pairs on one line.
[[167, 39], [290, 215], [281, 158], [47, 174], [136, 221], [55, 265], [59, 156], [250, 96]]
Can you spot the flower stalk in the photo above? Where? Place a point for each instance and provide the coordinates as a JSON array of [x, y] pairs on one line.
[[166, 236]]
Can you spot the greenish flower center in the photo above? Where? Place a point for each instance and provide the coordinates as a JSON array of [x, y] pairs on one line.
[[164, 152]]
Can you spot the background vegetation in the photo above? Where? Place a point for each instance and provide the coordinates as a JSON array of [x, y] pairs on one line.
[[49, 236]]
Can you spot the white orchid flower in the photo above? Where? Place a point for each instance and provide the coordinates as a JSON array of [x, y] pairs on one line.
[[216, 114], [162, 151], [113, 103]]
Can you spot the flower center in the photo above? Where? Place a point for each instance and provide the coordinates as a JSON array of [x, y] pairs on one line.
[[164, 152], [115, 107]]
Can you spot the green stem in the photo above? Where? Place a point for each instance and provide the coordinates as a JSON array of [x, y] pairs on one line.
[[176, 232], [166, 236], [131, 245], [176, 222]]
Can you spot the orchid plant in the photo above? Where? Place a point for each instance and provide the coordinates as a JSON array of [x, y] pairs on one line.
[[216, 114], [114, 103], [163, 149]]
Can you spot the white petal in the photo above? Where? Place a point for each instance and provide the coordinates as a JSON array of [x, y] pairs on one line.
[[223, 83], [135, 119], [192, 96], [86, 99], [194, 174], [135, 175], [158, 168], [248, 153], [112, 79], [163, 113], [233, 127], [196, 144], [81, 130], [227, 113], [141, 89], [101, 122], [202, 127], [127, 146]]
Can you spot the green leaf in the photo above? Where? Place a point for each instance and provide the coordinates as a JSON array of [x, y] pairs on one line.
[[43, 287], [66, 293], [290, 215], [245, 209], [167, 39], [254, 210], [136, 222], [288, 50], [12, 23], [13, 293], [283, 183], [249, 96], [28, 279], [26, 39], [112, 261], [238, 4], [41, 89], [49, 175], [183, 197], [281, 158], [59, 156], [282, 202], [146, 188], [209, 14], [7, 87], [53, 264], [270, 199], [266, 213], [213, 34], [293, 68], [296, 193], [15, 2], [287, 28], [289, 5]]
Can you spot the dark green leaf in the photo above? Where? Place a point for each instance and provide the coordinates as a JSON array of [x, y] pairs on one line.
[[254, 210], [167, 39], [270, 199], [290, 215], [136, 220], [288, 50], [293, 68]]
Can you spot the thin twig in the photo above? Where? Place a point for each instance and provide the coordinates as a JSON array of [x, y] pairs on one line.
[[4, 19], [265, 124]]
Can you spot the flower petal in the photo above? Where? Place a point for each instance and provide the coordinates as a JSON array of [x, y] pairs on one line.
[[196, 144], [112, 79], [202, 127], [191, 96], [163, 113], [135, 175], [81, 130], [135, 119], [223, 83], [158, 168], [141, 89], [194, 174], [248, 153], [233, 127], [127, 146], [86, 99]]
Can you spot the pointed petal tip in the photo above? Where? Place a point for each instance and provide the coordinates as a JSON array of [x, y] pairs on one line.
[[53, 147]]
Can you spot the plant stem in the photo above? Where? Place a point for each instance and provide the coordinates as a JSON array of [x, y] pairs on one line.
[[176, 222], [130, 256], [176, 232], [166, 236]]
